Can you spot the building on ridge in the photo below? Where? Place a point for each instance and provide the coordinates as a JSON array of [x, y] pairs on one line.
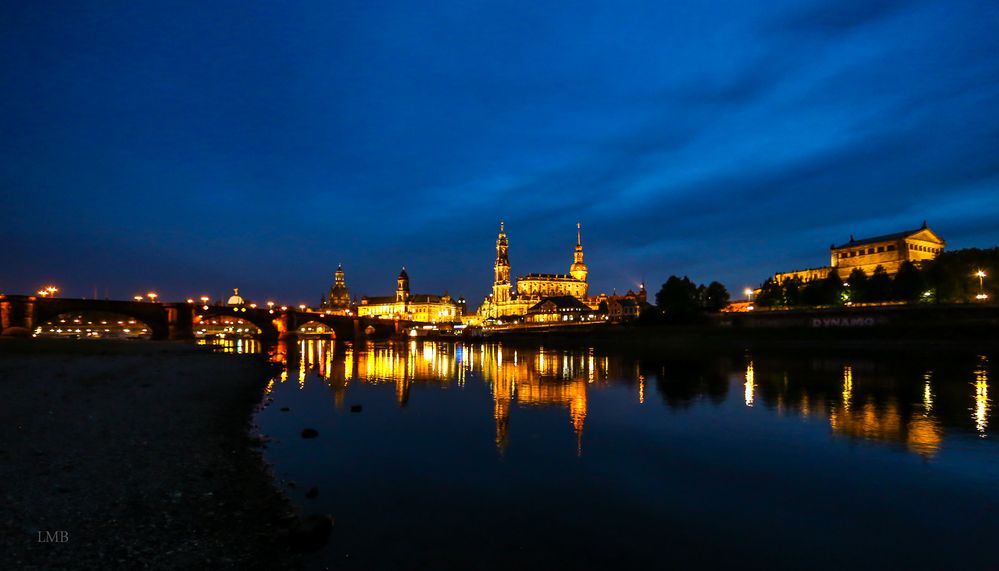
[[889, 251]]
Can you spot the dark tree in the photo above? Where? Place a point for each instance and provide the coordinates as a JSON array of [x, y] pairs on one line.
[[952, 274], [714, 297], [771, 294], [827, 291], [909, 284], [678, 297], [857, 286], [879, 286]]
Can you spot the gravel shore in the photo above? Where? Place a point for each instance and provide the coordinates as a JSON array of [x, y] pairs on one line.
[[141, 453]]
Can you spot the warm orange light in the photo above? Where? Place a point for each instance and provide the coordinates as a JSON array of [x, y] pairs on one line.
[[151, 295], [190, 300], [137, 298], [980, 274], [302, 306], [284, 308], [253, 305]]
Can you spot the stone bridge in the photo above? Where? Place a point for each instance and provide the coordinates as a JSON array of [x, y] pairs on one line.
[[21, 314]]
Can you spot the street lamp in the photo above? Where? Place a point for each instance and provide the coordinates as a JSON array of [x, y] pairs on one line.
[[301, 306], [152, 296], [749, 293], [981, 285], [52, 290], [137, 298]]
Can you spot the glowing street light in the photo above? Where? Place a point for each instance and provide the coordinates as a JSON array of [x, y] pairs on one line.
[[190, 300], [137, 298], [152, 296], [981, 285], [749, 293], [52, 290], [284, 308], [301, 306]]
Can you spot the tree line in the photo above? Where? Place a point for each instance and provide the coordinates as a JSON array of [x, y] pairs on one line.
[[681, 299], [948, 278]]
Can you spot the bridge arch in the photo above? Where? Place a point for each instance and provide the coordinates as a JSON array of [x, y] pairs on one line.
[[268, 324], [151, 314], [93, 324]]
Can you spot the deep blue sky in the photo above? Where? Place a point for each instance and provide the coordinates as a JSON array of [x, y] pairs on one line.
[[195, 146]]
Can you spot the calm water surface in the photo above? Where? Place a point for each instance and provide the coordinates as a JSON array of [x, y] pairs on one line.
[[495, 457]]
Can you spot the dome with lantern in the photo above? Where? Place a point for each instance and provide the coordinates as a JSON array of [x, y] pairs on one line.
[[234, 299]]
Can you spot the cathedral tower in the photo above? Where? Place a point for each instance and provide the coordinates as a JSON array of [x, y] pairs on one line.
[[402, 286], [578, 268], [501, 285]]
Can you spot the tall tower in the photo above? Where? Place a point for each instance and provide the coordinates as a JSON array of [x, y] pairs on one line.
[[578, 268], [402, 286], [501, 285]]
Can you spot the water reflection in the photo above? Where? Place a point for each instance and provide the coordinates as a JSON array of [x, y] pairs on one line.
[[981, 414], [909, 405]]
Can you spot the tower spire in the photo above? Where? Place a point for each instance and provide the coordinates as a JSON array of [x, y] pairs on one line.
[[579, 234]]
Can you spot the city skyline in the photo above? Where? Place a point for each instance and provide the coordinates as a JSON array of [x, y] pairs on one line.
[[161, 150]]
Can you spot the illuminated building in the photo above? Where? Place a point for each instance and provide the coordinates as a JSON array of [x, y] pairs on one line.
[[559, 309], [534, 288], [235, 299], [421, 307], [889, 251], [339, 296]]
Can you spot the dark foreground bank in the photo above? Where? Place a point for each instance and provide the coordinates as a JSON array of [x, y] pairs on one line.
[[134, 455]]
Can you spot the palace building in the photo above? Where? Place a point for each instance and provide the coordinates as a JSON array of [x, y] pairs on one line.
[[889, 251], [545, 297], [425, 308]]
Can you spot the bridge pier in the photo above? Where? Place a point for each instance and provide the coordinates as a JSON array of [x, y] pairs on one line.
[[180, 321], [17, 315]]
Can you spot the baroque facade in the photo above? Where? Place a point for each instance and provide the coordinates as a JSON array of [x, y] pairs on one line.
[[568, 292], [424, 308], [889, 251]]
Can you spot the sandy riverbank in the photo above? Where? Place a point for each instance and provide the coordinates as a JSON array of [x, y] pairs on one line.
[[140, 452]]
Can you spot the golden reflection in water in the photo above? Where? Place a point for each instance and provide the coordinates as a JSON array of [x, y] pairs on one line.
[[847, 386], [750, 385], [641, 389], [927, 392], [982, 405]]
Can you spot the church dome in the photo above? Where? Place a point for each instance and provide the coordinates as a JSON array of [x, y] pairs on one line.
[[234, 299]]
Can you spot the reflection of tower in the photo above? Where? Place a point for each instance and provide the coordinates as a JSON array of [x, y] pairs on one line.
[[501, 412], [402, 286], [577, 411], [501, 284], [578, 268]]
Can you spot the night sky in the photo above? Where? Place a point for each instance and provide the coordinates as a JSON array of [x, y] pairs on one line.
[[191, 147]]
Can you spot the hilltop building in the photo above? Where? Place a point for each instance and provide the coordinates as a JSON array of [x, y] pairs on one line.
[[426, 308], [541, 298], [889, 251]]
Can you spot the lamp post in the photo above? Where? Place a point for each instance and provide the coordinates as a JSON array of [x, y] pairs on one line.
[[749, 293], [981, 286], [152, 296]]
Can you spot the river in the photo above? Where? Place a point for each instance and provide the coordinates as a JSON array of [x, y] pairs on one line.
[[434, 455]]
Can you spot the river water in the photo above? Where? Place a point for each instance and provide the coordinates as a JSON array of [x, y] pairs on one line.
[[456, 456]]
